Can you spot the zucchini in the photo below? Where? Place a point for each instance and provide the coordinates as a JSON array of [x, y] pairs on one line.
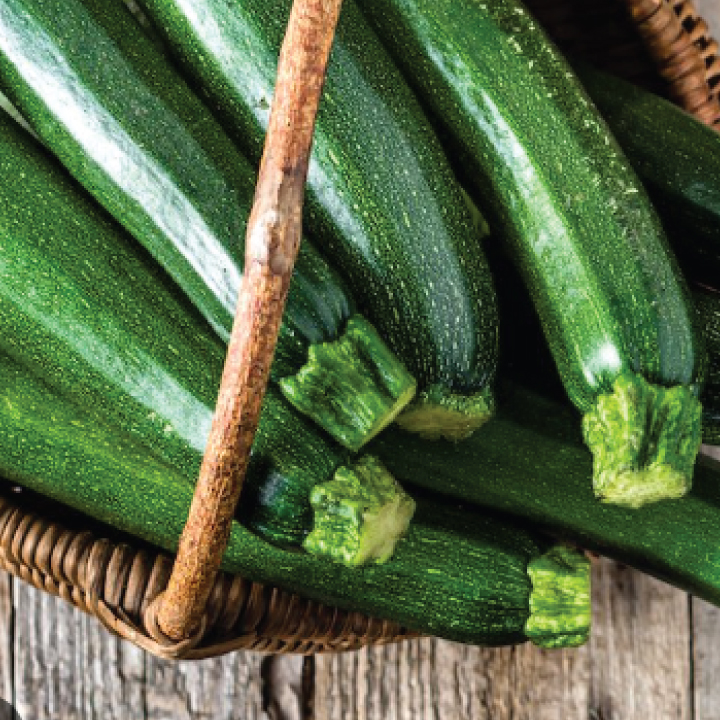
[[530, 462], [556, 188], [678, 160], [107, 383], [707, 305], [292, 467], [525, 357], [381, 199], [88, 312], [96, 91], [464, 575]]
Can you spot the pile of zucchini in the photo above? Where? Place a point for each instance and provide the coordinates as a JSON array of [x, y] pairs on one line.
[[443, 430]]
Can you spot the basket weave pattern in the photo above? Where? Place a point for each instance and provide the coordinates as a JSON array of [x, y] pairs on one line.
[[667, 48], [118, 583]]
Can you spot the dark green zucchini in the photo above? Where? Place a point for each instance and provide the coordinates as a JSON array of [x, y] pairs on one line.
[[107, 383], [459, 574], [707, 305], [678, 160], [87, 311], [526, 359], [290, 463], [530, 462], [381, 199], [554, 186], [105, 100]]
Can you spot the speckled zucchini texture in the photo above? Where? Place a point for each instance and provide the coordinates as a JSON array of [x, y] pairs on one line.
[[678, 160], [707, 305], [126, 125], [107, 384], [557, 190], [530, 463], [102, 96], [381, 200]]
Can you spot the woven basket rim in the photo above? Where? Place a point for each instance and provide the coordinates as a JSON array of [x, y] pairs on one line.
[[118, 582]]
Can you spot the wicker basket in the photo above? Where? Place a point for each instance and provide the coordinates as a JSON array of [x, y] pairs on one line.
[[666, 48]]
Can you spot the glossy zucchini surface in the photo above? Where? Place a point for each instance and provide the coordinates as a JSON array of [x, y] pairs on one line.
[[458, 574], [557, 189], [530, 462], [107, 382], [108, 103], [381, 200], [678, 160], [707, 305], [92, 316]]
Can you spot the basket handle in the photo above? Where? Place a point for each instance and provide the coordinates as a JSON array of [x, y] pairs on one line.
[[272, 243]]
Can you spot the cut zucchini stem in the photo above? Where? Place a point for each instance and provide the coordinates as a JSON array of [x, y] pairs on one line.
[[644, 439], [352, 387], [560, 602], [436, 413], [360, 514]]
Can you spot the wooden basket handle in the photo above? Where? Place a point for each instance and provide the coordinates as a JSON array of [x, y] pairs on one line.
[[272, 243]]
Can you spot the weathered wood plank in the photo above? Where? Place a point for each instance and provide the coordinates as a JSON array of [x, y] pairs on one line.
[[430, 679], [640, 647], [706, 660], [67, 666], [710, 10], [636, 666], [7, 629], [284, 687], [226, 688]]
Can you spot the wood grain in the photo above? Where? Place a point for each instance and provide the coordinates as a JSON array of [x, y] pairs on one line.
[[636, 666], [640, 647], [7, 630], [67, 666], [226, 688]]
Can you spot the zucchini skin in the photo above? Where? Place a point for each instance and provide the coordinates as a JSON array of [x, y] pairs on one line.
[[556, 188], [707, 305], [381, 199], [525, 357], [678, 160], [589, 245], [88, 311], [530, 463], [97, 91], [457, 574], [99, 357]]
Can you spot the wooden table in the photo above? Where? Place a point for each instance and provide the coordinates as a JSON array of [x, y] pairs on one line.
[[654, 655]]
